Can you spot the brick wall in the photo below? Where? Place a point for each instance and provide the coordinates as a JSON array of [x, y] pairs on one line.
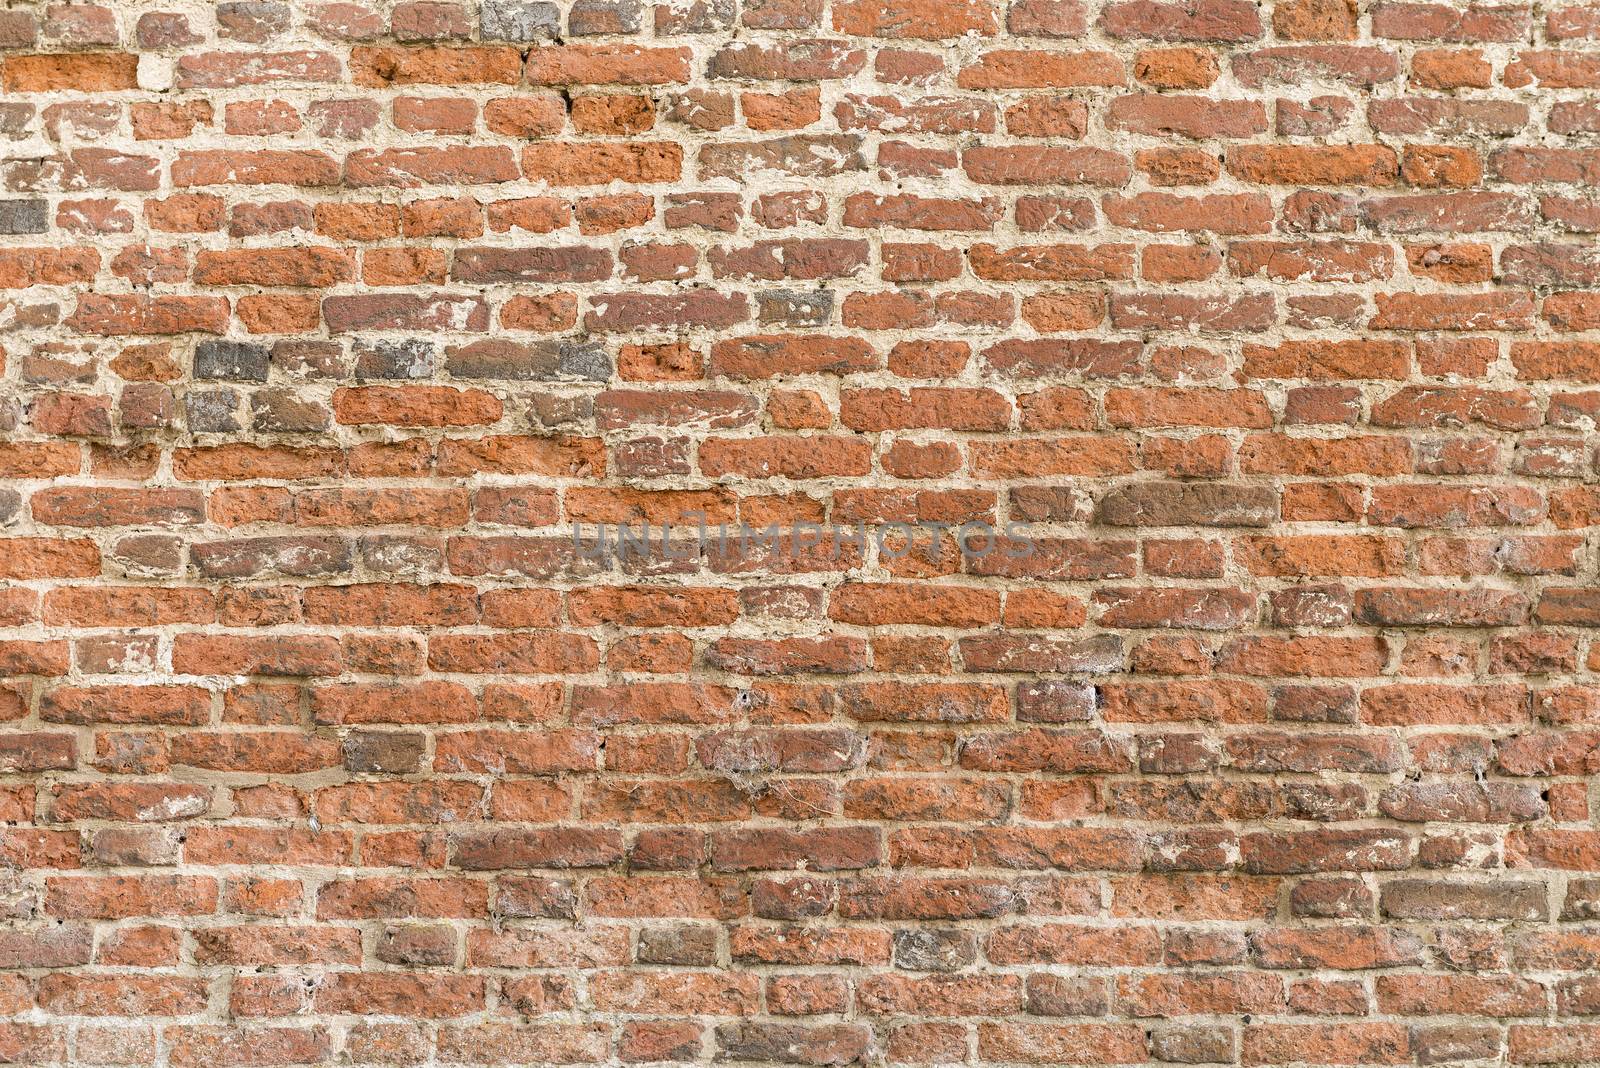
[[1270, 328]]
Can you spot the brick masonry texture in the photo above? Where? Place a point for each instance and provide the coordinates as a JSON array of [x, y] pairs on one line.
[[1278, 323]]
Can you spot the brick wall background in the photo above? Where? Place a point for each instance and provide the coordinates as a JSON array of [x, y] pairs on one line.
[[323, 320]]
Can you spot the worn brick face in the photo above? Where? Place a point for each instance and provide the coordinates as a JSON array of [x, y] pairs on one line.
[[1259, 335]]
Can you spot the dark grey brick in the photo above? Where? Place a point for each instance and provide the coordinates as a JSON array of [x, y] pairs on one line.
[[24, 216], [230, 361]]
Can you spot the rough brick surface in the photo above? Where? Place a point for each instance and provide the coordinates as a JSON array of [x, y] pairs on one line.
[[1272, 325]]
